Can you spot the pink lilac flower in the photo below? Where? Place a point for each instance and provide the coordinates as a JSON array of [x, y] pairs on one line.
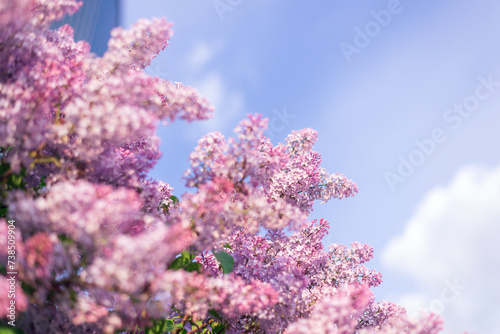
[[301, 180], [345, 265], [335, 314], [196, 294], [400, 323]]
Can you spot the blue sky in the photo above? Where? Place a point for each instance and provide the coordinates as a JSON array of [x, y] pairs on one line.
[[412, 117]]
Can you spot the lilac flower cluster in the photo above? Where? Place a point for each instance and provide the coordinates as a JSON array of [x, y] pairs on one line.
[[302, 180], [298, 268], [102, 249]]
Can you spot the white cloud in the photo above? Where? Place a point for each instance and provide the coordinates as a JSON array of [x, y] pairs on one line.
[[202, 53], [452, 240], [228, 104], [213, 88]]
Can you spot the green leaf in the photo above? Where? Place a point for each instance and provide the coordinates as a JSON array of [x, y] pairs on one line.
[[73, 296], [15, 180], [193, 266], [4, 167], [198, 324], [225, 260], [185, 261], [162, 326], [179, 263], [64, 239], [174, 199], [3, 211], [170, 325], [4, 329], [220, 329], [228, 246], [186, 255], [28, 289], [214, 314]]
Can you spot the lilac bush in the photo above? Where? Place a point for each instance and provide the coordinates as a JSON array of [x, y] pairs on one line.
[[100, 248]]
